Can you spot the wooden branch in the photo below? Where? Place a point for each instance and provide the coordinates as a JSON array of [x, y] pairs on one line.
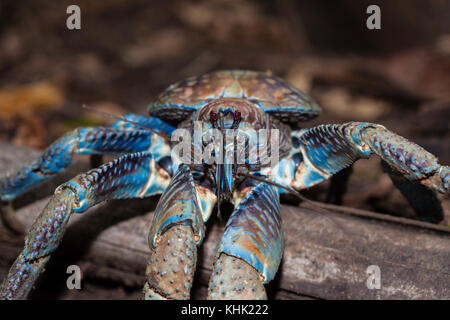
[[327, 254]]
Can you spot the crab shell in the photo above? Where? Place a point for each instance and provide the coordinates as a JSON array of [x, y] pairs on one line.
[[270, 93]]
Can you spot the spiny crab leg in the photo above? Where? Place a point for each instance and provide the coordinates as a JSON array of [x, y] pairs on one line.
[[177, 229], [320, 152], [131, 176], [251, 248], [58, 156], [122, 137]]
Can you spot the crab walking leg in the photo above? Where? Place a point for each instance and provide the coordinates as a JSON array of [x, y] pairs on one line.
[[136, 121], [177, 229], [320, 152], [133, 122], [251, 248], [97, 140], [130, 176]]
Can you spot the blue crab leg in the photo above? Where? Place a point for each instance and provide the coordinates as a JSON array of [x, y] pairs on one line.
[[320, 152], [135, 175], [177, 229], [135, 121], [58, 156], [251, 248]]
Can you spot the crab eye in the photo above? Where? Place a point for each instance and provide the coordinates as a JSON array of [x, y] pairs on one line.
[[213, 116], [237, 115]]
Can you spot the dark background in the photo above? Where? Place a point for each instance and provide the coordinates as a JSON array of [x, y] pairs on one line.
[[128, 51]]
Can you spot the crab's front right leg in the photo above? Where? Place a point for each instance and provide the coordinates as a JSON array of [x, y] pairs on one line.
[[177, 229], [135, 175], [58, 156]]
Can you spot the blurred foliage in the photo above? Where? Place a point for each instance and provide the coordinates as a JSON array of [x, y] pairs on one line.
[[71, 124], [29, 98]]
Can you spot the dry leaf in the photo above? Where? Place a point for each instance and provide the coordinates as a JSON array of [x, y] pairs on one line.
[[24, 99]]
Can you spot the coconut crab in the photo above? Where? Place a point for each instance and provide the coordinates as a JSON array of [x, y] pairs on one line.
[[251, 249]]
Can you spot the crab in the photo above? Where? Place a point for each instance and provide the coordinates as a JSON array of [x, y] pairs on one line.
[[228, 102]]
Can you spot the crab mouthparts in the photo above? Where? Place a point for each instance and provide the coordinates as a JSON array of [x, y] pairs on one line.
[[224, 171], [224, 178]]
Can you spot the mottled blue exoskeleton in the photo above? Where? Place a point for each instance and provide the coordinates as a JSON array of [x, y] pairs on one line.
[[251, 249]]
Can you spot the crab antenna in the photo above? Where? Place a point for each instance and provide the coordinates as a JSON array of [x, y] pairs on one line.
[[122, 118], [287, 188], [268, 132], [219, 170]]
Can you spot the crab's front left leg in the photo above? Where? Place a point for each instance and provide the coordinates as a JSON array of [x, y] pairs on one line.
[[135, 175], [177, 229], [320, 152], [251, 248]]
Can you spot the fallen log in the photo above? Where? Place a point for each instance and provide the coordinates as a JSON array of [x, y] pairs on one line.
[[328, 253]]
